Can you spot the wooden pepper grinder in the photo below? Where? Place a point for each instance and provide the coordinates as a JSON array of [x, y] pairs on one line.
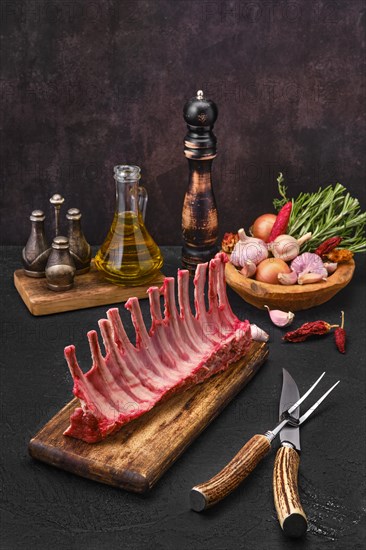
[[199, 216]]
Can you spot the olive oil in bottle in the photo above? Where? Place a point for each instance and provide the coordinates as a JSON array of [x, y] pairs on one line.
[[129, 256]]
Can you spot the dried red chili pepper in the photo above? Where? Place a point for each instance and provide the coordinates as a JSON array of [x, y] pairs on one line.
[[229, 241], [328, 245], [340, 337], [314, 328], [281, 223]]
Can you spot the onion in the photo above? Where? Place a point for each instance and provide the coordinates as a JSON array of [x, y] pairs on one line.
[[262, 226], [268, 270]]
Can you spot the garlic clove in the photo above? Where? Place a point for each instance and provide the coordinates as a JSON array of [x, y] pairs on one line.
[[330, 267], [258, 334], [280, 318], [309, 278], [287, 278], [248, 269]]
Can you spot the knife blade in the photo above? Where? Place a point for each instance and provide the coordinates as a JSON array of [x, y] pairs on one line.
[[290, 513]]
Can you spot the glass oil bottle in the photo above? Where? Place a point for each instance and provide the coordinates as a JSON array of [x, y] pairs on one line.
[[129, 256]]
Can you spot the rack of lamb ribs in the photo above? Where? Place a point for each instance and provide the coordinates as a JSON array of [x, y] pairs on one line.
[[179, 351]]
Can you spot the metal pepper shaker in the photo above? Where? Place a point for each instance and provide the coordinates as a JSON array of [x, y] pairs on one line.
[[60, 269], [36, 252], [79, 247], [199, 216]]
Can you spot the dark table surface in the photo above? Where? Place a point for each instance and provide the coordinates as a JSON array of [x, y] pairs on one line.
[[43, 507]]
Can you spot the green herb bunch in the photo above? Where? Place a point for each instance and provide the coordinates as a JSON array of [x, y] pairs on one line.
[[329, 212]]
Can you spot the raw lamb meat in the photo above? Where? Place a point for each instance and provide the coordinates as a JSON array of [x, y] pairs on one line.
[[180, 350]]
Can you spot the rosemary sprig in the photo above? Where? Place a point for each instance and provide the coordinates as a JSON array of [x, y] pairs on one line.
[[329, 212]]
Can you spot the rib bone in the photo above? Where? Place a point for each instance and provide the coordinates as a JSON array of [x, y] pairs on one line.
[[180, 349]]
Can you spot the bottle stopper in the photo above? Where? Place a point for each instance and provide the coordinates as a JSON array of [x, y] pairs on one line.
[[37, 216], [73, 214]]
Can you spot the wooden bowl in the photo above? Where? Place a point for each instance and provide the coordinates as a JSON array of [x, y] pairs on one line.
[[289, 298]]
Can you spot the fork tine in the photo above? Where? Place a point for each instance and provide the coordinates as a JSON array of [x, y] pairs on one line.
[[303, 397], [312, 409]]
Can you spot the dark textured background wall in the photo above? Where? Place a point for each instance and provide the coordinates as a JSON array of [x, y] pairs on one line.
[[88, 84]]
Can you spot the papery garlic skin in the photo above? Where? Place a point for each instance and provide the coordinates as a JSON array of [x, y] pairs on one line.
[[287, 278], [280, 318], [258, 334]]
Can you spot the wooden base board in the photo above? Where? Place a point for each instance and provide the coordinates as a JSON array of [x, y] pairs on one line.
[[139, 454], [89, 290]]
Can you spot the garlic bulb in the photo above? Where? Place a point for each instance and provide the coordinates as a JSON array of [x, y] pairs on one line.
[[248, 249], [286, 247], [308, 263]]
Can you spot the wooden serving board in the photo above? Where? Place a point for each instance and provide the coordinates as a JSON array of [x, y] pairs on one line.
[[139, 454], [89, 290]]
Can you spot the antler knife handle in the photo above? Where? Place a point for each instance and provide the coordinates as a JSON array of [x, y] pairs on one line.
[[229, 478], [290, 514]]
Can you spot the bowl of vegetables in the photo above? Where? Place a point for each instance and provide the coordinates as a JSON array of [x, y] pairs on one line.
[[300, 257]]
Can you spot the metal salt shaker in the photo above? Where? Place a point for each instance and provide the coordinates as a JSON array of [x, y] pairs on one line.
[[60, 269], [36, 252], [79, 248]]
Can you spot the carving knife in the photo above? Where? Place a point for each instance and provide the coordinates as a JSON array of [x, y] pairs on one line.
[[210, 492], [285, 490]]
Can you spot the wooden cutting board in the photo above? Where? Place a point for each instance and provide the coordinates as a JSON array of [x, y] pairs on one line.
[[139, 454], [89, 290]]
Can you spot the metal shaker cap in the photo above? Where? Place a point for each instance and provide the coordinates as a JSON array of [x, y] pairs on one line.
[[57, 199], [37, 216], [60, 242], [73, 214]]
